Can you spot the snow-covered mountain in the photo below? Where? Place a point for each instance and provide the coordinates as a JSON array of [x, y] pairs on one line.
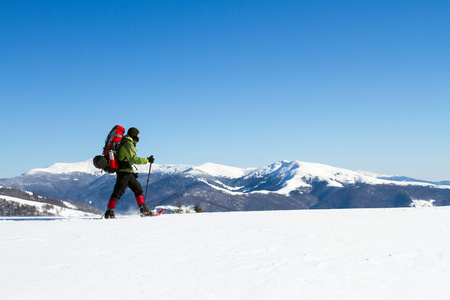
[[15, 202], [401, 178], [281, 185]]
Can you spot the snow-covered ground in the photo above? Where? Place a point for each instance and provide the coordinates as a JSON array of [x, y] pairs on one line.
[[309, 254]]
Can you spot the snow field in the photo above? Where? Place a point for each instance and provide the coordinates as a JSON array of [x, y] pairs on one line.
[[307, 254]]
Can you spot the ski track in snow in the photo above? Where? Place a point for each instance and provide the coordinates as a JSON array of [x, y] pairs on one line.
[[307, 254]]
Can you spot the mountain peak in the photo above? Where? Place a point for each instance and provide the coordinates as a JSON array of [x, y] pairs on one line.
[[217, 170], [65, 168]]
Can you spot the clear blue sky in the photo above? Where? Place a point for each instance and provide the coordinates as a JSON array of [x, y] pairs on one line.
[[352, 84]]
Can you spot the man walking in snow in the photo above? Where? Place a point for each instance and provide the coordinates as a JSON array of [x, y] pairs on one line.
[[125, 177]]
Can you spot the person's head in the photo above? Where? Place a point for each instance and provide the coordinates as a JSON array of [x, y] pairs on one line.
[[133, 133]]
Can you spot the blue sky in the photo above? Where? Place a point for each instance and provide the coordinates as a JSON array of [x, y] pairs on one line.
[[352, 84]]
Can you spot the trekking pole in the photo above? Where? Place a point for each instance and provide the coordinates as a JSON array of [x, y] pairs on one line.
[[148, 179]]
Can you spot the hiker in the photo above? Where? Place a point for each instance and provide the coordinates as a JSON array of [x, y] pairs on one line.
[[125, 177]]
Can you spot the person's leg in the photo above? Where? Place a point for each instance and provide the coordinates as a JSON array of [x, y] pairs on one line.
[[136, 187], [119, 190]]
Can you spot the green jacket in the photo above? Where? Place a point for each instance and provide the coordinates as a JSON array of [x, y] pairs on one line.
[[127, 153]]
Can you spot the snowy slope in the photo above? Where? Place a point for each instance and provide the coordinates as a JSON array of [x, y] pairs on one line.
[[16, 202], [45, 209], [308, 254]]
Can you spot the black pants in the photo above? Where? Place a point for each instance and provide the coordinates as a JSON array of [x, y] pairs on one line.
[[124, 180]]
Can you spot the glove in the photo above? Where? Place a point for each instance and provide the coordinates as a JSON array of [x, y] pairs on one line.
[[151, 159]]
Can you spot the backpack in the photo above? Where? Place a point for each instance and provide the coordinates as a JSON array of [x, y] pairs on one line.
[[108, 161]]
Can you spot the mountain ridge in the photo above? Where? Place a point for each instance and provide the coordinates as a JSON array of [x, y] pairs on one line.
[[235, 172], [281, 185]]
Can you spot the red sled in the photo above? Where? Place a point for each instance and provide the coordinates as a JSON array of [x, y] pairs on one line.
[[155, 215]]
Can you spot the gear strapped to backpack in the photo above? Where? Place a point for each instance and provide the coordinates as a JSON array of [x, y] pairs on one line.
[[108, 161]]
